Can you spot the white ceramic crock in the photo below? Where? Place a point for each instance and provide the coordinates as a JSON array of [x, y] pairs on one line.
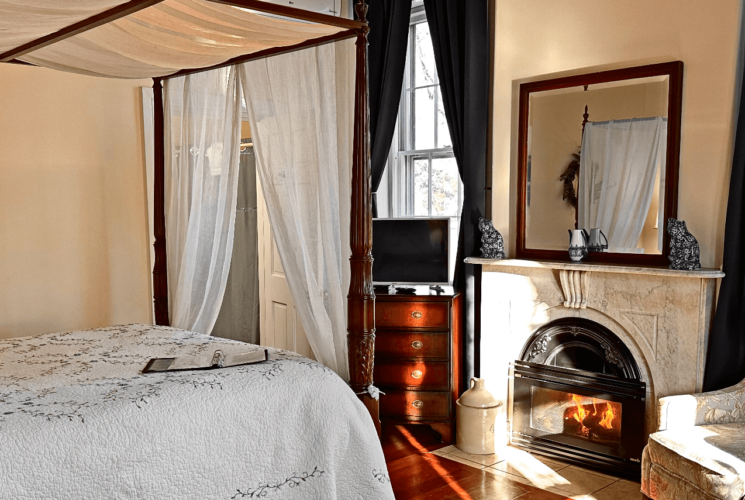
[[475, 414]]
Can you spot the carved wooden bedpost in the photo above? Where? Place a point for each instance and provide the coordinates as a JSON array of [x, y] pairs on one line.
[[160, 272], [361, 298]]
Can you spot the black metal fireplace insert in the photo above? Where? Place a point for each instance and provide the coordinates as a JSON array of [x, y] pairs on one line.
[[577, 395]]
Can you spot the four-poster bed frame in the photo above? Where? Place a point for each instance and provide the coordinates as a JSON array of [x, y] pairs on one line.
[[361, 297]]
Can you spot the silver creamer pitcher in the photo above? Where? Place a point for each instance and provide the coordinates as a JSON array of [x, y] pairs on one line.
[[596, 241], [578, 239]]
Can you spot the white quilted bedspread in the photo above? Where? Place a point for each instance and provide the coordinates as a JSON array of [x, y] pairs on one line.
[[78, 420]]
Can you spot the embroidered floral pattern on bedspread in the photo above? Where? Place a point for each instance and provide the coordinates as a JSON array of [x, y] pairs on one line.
[[111, 359], [116, 352], [381, 476], [79, 401], [265, 489]]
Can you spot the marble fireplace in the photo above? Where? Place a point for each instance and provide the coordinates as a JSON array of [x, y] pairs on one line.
[[660, 318]]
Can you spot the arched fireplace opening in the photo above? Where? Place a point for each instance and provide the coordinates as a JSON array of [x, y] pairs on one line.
[[577, 395], [580, 344]]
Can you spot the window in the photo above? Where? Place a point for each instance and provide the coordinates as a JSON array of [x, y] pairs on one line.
[[424, 179]]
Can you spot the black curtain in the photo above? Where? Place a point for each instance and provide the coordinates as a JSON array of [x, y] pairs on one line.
[[389, 30], [460, 36], [725, 360]]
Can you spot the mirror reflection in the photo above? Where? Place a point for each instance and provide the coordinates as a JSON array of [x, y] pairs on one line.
[[596, 160]]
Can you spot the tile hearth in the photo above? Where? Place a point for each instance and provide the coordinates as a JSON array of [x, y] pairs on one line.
[[570, 481]]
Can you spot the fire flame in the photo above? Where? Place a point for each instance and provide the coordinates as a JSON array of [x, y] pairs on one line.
[[607, 421], [581, 412]]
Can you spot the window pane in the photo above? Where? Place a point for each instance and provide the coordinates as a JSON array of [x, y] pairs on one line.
[[421, 186], [445, 187], [443, 132], [424, 118], [424, 57]]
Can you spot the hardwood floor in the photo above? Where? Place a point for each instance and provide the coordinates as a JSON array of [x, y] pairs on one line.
[[416, 474]]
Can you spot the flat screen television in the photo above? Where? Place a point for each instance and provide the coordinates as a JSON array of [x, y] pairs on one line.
[[411, 251]]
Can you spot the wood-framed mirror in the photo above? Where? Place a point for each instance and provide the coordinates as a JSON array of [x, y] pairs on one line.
[[600, 150]]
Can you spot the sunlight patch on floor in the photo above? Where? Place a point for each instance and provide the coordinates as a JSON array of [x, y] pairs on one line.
[[569, 481], [532, 469], [440, 470]]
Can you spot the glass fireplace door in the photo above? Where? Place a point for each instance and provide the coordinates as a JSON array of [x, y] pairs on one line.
[[583, 417]]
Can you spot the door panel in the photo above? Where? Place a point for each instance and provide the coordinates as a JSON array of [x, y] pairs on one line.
[[280, 326], [279, 321], [277, 269]]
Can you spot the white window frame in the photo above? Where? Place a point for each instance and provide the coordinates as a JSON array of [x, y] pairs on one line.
[[402, 155]]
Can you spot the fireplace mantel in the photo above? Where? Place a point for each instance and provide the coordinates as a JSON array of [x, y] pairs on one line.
[[662, 315], [595, 267]]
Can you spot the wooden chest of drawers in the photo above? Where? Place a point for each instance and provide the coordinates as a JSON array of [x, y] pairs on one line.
[[417, 357]]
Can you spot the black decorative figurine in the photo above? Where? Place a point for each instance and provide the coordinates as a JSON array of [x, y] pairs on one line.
[[492, 243], [684, 250]]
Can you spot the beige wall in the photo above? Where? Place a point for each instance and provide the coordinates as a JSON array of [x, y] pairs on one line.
[[537, 39], [73, 210], [245, 130]]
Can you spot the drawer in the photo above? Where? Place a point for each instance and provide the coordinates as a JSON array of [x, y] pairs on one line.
[[412, 315], [412, 344], [417, 374], [416, 405]]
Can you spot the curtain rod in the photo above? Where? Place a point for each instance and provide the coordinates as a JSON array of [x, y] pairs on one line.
[[629, 120]]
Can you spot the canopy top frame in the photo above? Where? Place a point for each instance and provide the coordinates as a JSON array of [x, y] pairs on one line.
[[351, 27]]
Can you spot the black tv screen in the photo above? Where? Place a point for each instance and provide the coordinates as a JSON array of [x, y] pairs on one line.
[[410, 251]]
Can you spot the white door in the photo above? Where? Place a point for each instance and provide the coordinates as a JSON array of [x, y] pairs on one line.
[[279, 324]]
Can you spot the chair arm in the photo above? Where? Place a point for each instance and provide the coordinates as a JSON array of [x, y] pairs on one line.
[[716, 407]]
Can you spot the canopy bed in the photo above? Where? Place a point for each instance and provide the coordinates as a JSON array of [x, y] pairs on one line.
[[167, 39]]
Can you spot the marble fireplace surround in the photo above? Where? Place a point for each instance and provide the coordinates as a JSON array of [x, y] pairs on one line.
[[662, 315]]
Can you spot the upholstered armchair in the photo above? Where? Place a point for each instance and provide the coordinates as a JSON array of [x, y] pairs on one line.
[[698, 452]]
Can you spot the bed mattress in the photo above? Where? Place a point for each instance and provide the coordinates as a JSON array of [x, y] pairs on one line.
[[78, 420]]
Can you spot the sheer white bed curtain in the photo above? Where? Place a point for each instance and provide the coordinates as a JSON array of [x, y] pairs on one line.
[[300, 107], [202, 123]]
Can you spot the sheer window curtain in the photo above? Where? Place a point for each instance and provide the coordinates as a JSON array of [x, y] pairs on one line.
[[300, 107], [619, 162], [202, 114]]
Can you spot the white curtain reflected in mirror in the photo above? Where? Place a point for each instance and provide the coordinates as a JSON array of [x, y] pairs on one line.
[[619, 171]]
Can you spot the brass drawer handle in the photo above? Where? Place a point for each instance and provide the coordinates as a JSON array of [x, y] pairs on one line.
[[416, 374], [416, 315], [417, 403], [417, 344]]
